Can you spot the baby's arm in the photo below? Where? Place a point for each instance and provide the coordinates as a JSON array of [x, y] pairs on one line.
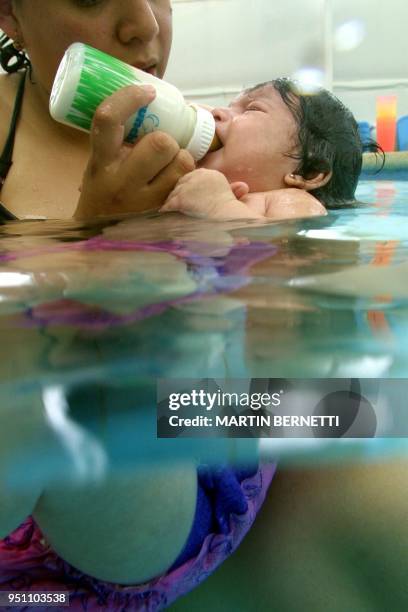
[[207, 194]]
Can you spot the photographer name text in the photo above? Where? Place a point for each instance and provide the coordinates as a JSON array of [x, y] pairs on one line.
[[256, 420]]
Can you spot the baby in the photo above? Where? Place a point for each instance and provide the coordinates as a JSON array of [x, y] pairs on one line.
[[284, 155]]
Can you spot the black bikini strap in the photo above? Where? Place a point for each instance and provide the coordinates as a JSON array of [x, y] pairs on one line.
[[6, 158], [6, 215]]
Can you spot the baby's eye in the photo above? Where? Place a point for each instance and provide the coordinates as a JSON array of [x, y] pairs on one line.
[[253, 108], [87, 3]]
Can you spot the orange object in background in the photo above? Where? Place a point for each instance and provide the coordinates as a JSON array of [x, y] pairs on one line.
[[387, 122]]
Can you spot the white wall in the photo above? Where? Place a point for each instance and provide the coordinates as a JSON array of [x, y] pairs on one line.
[[222, 45], [380, 64]]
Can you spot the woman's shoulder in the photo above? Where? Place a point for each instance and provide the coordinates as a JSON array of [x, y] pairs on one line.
[[8, 87]]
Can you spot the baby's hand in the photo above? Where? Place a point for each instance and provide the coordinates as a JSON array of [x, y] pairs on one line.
[[201, 193]]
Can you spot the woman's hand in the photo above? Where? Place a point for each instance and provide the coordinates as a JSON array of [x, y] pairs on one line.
[[122, 178]]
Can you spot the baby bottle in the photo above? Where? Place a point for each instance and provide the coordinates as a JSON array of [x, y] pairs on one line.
[[87, 76]]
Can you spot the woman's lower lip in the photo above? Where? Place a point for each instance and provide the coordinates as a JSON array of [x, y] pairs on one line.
[[151, 70]]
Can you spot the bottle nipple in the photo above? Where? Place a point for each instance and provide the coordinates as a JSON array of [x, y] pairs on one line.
[[215, 144]]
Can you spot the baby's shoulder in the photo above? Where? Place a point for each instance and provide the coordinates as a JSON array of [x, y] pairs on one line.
[[292, 203]]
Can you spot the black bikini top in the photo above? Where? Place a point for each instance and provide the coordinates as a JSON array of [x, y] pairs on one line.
[[6, 157]]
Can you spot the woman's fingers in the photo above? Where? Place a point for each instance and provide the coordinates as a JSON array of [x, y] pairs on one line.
[[164, 182], [152, 154], [155, 165], [108, 127]]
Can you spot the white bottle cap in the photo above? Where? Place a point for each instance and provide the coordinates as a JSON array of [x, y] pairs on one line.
[[203, 133]]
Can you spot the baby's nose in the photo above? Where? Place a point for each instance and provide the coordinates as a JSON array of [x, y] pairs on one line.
[[221, 113]]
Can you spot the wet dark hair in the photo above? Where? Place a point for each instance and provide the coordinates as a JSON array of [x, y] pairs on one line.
[[328, 141]]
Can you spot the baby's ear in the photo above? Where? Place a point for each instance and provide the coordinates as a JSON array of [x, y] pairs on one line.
[[239, 189], [308, 184]]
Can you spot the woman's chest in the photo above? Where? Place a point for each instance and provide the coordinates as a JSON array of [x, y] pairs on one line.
[[44, 179]]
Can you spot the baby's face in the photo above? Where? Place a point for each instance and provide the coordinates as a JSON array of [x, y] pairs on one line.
[[257, 131]]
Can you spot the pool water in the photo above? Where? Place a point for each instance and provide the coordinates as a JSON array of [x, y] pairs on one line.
[[115, 306]]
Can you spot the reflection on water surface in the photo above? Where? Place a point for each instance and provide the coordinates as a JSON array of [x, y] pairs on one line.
[[171, 296]]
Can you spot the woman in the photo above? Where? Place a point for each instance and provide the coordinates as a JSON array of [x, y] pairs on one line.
[[58, 172]]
